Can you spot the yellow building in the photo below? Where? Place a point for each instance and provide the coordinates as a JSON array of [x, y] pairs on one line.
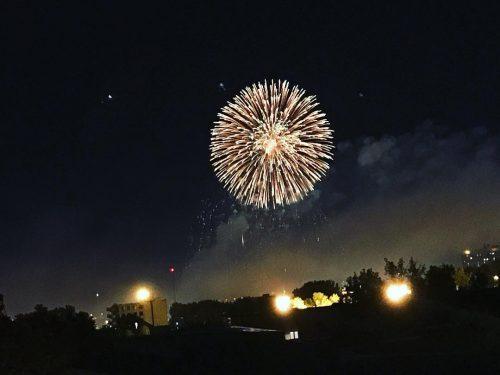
[[154, 312]]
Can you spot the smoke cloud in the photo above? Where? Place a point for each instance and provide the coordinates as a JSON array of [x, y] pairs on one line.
[[426, 194]]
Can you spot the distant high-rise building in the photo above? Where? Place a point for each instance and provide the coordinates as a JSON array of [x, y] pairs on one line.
[[476, 258]]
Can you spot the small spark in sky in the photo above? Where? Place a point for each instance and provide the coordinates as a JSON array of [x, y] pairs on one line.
[[221, 86], [110, 96]]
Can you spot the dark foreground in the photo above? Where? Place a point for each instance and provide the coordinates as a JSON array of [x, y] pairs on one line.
[[418, 338], [415, 339]]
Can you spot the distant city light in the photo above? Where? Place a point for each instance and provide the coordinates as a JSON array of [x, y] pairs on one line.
[[397, 292], [97, 294], [109, 96], [495, 277], [467, 252], [171, 269], [283, 303], [142, 294]]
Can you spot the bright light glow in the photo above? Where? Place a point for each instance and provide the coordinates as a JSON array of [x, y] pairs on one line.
[[283, 303], [397, 292], [142, 294], [467, 252], [270, 145], [495, 277]]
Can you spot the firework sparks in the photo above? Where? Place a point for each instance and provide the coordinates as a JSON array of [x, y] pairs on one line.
[[271, 145]]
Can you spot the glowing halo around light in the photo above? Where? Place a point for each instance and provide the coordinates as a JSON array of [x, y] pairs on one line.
[[142, 294], [271, 145], [283, 303], [397, 292]]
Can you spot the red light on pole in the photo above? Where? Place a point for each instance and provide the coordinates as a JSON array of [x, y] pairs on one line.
[[171, 269]]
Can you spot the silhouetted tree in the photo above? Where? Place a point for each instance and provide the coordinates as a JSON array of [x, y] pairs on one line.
[[202, 313], [395, 270], [5, 326], [480, 278], [327, 287], [253, 311], [414, 272], [46, 341], [125, 324], [2, 306], [440, 281], [365, 287], [483, 277], [416, 275]]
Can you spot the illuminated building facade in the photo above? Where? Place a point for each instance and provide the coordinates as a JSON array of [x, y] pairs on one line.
[[476, 258], [154, 312]]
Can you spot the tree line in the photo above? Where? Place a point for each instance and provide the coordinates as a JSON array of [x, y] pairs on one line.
[[437, 282], [44, 341], [56, 338]]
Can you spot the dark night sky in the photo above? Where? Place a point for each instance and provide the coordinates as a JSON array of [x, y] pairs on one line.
[[99, 193]]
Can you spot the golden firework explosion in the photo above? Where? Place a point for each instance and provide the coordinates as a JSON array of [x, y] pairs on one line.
[[271, 145]]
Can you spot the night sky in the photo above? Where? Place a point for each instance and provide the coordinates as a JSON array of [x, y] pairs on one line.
[[106, 117]]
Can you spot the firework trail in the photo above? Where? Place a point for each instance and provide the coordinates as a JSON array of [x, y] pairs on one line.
[[271, 145]]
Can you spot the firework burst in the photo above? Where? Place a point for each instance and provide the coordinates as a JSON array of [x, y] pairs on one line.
[[271, 145]]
